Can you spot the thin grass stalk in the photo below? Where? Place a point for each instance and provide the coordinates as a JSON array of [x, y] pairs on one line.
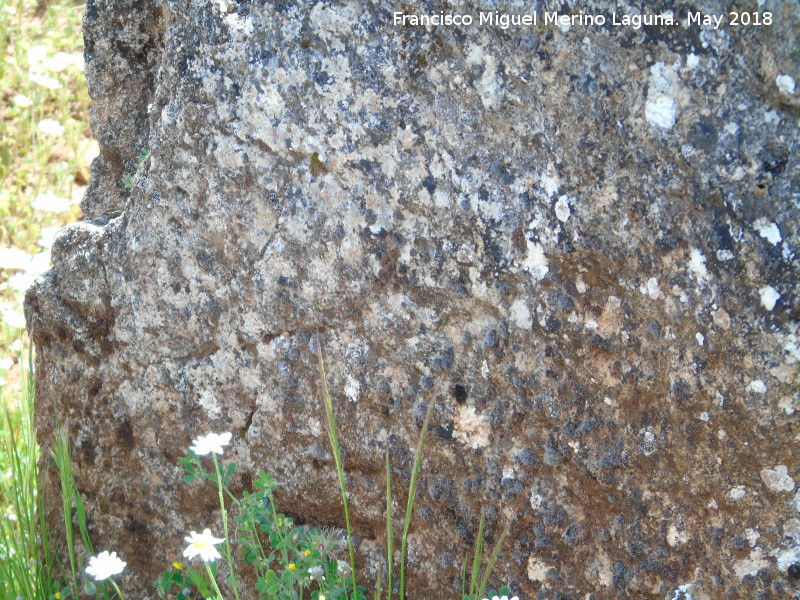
[[80, 512], [477, 558], [412, 492], [334, 439], [15, 535], [61, 457], [463, 578], [490, 565], [378, 583], [224, 514], [389, 529]]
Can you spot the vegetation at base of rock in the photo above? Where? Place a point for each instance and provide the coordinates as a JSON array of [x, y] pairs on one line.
[[45, 151], [291, 561]]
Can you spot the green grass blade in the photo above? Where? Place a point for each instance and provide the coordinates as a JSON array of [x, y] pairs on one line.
[[477, 558], [378, 583], [490, 565], [64, 466], [389, 529], [334, 439], [464, 578], [412, 492]]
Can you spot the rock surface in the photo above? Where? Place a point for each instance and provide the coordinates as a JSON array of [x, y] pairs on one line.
[[581, 241]]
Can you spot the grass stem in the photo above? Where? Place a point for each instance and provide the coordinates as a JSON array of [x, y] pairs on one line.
[[224, 513], [389, 529], [412, 492], [334, 439]]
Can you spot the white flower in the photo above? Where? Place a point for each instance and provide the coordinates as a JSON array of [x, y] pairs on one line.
[[203, 545], [6, 364], [50, 127], [14, 258], [44, 80], [47, 235], [14, 319], [21, 282], [210, 443], [40, 263], [104, 565], [37, 55], [22, 101], [49, 202]]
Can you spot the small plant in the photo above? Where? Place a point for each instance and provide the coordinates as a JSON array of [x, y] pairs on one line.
[[128, 180], [290, 561]]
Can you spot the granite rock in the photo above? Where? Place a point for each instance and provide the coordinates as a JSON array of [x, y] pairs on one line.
[[580, 241]]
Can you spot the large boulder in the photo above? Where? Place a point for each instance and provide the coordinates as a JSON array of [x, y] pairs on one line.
[[579, 239]]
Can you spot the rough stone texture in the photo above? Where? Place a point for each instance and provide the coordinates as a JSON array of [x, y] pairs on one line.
[[573, 240]]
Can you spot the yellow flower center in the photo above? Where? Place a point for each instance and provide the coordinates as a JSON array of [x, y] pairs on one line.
[[200, 544]]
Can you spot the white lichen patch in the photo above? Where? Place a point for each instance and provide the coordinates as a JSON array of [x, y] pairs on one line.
[[537, 569], [471, 428], [352, 388], [489, 87], [757, 386], [786, 558], [787, 405], [697, 264], [521, 314], [769, 231], [785, 84], [660, 112], [752, 564], [653, 289], [752, 536], [769, 296], [676, 536], [535, 261], [661, 108], [562, 209], [550, 184], [683, 593], [777, 479], [735, 494], [701, 339], [209, 403]]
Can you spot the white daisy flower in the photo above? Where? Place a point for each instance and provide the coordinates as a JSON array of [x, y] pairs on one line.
[[22, 101], [44, 80], [104, 565], [20, 282], [203, 545], [210, 443], [50, 127], [51, 203], [14, 258]]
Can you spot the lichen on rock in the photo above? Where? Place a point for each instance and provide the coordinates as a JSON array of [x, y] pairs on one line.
[[575, 239]]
